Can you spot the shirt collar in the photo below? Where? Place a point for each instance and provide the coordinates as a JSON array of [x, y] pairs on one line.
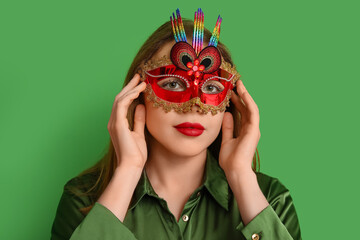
[[215, 182]]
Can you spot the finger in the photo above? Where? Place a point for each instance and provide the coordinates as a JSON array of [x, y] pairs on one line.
[[132, 83], [124, 103], [245, 95], [139, 88], [238, 102], [249, 102], [139, 119], [126, 89], [227, 127]]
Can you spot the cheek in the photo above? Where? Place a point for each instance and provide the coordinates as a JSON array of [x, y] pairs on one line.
[[157, 121], [215, 124]]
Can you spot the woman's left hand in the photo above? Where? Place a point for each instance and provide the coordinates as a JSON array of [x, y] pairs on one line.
[[236, 154]]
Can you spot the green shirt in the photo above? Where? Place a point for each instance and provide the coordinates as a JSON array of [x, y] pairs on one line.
[[211, 212]]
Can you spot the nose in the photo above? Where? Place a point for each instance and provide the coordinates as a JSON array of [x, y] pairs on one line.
[[196, 108]]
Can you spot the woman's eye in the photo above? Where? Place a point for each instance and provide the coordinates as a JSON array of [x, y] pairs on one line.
[[212, 87], [172, 84]]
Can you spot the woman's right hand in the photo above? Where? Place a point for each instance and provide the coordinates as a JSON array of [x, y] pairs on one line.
[[130, 146]]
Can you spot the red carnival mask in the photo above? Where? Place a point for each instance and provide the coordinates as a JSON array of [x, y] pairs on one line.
[[192, 75]]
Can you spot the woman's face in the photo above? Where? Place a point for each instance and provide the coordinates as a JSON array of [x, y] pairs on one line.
[[161, 125]]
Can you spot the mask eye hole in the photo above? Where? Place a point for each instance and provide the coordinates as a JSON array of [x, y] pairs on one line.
[[185, 58], [182, 53], [211, 59], [212, 87], [172, 84], [206, 62]]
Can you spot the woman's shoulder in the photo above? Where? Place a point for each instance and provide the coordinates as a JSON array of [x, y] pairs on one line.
[[75, 202], [82, 184]]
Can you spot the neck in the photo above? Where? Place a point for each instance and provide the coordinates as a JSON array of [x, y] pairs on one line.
[[169, 171]]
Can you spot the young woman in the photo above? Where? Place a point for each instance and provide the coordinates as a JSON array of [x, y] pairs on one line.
[[182, 157]]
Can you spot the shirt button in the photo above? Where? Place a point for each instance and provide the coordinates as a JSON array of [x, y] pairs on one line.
[[255, 237], [198, 194], [185, 218]]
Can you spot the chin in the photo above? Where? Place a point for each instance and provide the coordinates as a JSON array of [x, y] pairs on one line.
[[187, 147], [186, 150]]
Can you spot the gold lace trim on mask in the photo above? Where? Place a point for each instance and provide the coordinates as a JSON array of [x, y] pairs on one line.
[[186, 106], [165, 60]]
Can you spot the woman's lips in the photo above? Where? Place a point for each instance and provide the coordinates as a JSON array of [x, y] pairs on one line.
[[190, 129]]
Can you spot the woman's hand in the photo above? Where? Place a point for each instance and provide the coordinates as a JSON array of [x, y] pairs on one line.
[[236, 154], [130, 146]]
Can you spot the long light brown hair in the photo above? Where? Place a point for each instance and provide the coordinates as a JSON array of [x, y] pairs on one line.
[[101, 173]]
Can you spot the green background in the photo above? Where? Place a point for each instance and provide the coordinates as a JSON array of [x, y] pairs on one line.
[[63, 62]]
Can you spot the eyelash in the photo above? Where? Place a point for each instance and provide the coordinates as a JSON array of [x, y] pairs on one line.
[[170, 81], [214, 85], [177, 81]]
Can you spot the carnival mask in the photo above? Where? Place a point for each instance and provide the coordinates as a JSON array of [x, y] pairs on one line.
[[193, 74]]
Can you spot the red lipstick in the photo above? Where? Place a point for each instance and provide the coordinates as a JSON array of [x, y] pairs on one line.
[[190, 129]]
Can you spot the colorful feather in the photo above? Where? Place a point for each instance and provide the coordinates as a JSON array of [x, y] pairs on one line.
[[216, 33], [198, 34], [178, 27]]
